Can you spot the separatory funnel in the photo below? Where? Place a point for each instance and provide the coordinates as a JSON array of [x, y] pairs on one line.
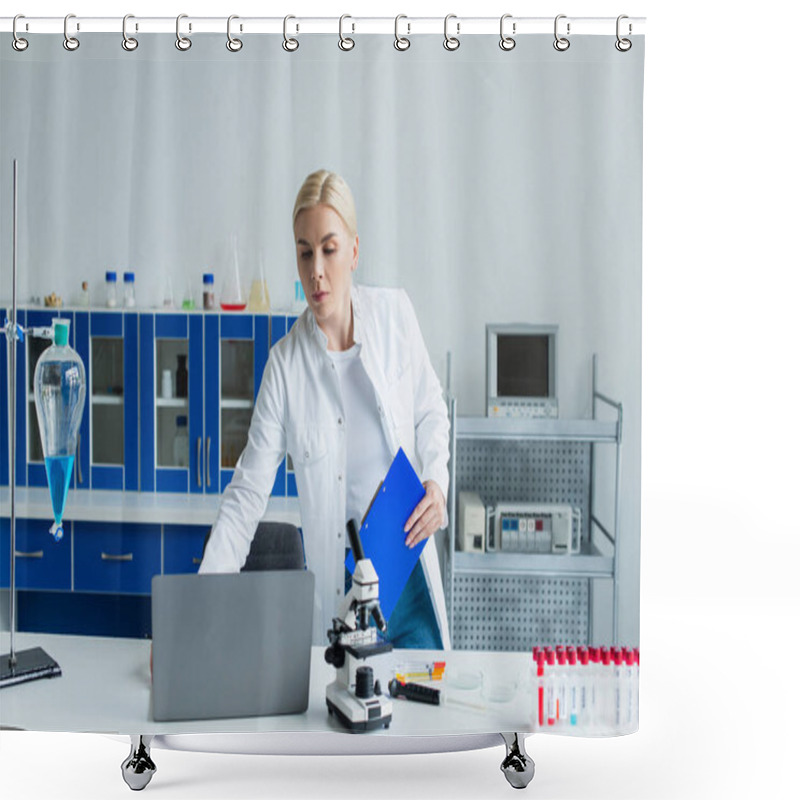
[[59, 383]]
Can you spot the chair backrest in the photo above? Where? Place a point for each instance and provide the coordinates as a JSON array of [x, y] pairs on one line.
[[276, 545]]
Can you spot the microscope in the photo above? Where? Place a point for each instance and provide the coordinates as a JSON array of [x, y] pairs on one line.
[[354, 696]]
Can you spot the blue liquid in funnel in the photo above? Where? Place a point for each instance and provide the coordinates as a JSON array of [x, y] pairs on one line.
[[59, 472]]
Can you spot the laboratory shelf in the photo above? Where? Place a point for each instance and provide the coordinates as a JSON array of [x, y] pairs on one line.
[[145, 507], [564, 430], [589, 563]]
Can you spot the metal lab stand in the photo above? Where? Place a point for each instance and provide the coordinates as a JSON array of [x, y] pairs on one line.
[[508, 601]]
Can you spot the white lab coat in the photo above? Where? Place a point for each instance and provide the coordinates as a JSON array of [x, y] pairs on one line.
[[299, 410]]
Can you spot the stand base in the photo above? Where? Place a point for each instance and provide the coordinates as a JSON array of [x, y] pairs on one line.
[[31, 665]]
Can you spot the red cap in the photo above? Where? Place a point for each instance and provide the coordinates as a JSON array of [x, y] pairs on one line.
[[636, 654], [630, 658], [562, 657], [540, 663], [551, 656], [572, 656], [594, 654], [583, 655], [535, 652], [616, 654], [605, 656]]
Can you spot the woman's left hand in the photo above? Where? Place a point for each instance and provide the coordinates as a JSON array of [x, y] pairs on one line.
[[427, 517]]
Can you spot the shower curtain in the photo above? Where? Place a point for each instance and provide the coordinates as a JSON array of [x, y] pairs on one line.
[[493, 185]]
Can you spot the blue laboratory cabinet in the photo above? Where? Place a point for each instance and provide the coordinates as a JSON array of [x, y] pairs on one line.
[[170, 395]]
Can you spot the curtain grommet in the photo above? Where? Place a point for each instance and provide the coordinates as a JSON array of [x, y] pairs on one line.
[[183, 43], [451, 43], [289, 44], [507, 42], [401, 43], [622, 44], [346, 43], [18, 43], [561, 43], [71, 43], [129, 43], [233, 44]]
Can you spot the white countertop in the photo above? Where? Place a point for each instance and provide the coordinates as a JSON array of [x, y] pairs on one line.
[[105, 688], [153, 507]]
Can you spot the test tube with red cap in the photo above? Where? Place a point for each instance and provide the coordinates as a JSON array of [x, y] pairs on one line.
[[605, 688], [573, 684], [618, 687], [550, 687], [562, 702], [583, 671], [540, 659]]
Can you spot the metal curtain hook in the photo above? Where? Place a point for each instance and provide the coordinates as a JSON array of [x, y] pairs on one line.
[[561, 43], [507, 42], [345, 42], [451, 42], [18, 43], [290, 45], [128, 42], [623, 45], [400, 42], [233, 44], [70, 42], [181, 42]]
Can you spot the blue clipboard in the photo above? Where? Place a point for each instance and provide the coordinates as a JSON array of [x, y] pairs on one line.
[[382, 533]]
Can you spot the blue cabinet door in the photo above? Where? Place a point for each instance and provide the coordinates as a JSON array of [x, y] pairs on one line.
[[4, 449], [167, 340], [41, 561], [113, 398], [116, 557], [285, 483], [183, 548]]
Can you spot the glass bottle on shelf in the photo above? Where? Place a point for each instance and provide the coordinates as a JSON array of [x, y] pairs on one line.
[[111, 289], [59, 392], [129, 293], [182, 377], [180, 445], [209, 301]]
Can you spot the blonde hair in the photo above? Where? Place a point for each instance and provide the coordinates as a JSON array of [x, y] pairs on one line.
[[329, 188]]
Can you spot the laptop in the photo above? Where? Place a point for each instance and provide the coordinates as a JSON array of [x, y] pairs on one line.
[[231, 645]]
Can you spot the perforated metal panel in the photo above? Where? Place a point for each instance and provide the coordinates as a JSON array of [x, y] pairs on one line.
[[526, 471], [513, 613]]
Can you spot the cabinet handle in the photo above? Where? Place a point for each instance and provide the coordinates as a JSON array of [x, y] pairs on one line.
[[78, 460], [36, 554], [196, 561], [110, 557], [208, 461], [199, 461]]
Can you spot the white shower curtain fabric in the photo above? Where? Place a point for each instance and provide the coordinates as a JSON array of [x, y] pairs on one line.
[[491, 186]]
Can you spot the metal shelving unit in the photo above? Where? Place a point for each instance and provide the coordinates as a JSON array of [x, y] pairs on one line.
[[504, 457]]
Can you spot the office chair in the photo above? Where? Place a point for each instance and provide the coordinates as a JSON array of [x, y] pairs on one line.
[[276, 545]]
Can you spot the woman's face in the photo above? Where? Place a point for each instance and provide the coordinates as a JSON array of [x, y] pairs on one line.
[[327, 256]]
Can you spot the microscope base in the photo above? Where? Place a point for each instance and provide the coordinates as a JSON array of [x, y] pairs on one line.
[[355, 714]]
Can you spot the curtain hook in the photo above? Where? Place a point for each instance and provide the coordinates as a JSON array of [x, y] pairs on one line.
[[345, 42], [290, 45], [506, 42], [400, 42], [233, 44], [70, 42], [561, 43], [451, 42], [181, 42], [623, 45], [128, 42], [18, 43]]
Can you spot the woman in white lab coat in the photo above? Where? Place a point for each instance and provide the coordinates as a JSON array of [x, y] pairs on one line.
[[349, 384]]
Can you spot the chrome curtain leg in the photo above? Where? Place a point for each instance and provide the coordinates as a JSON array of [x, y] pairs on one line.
[[138, 768], [517, 766]]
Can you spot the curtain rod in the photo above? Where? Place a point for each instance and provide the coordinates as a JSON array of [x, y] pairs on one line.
[[460, 26]]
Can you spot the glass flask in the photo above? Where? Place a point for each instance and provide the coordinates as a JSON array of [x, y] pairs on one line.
[[259, 293], [59, 383], [232, 297]]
